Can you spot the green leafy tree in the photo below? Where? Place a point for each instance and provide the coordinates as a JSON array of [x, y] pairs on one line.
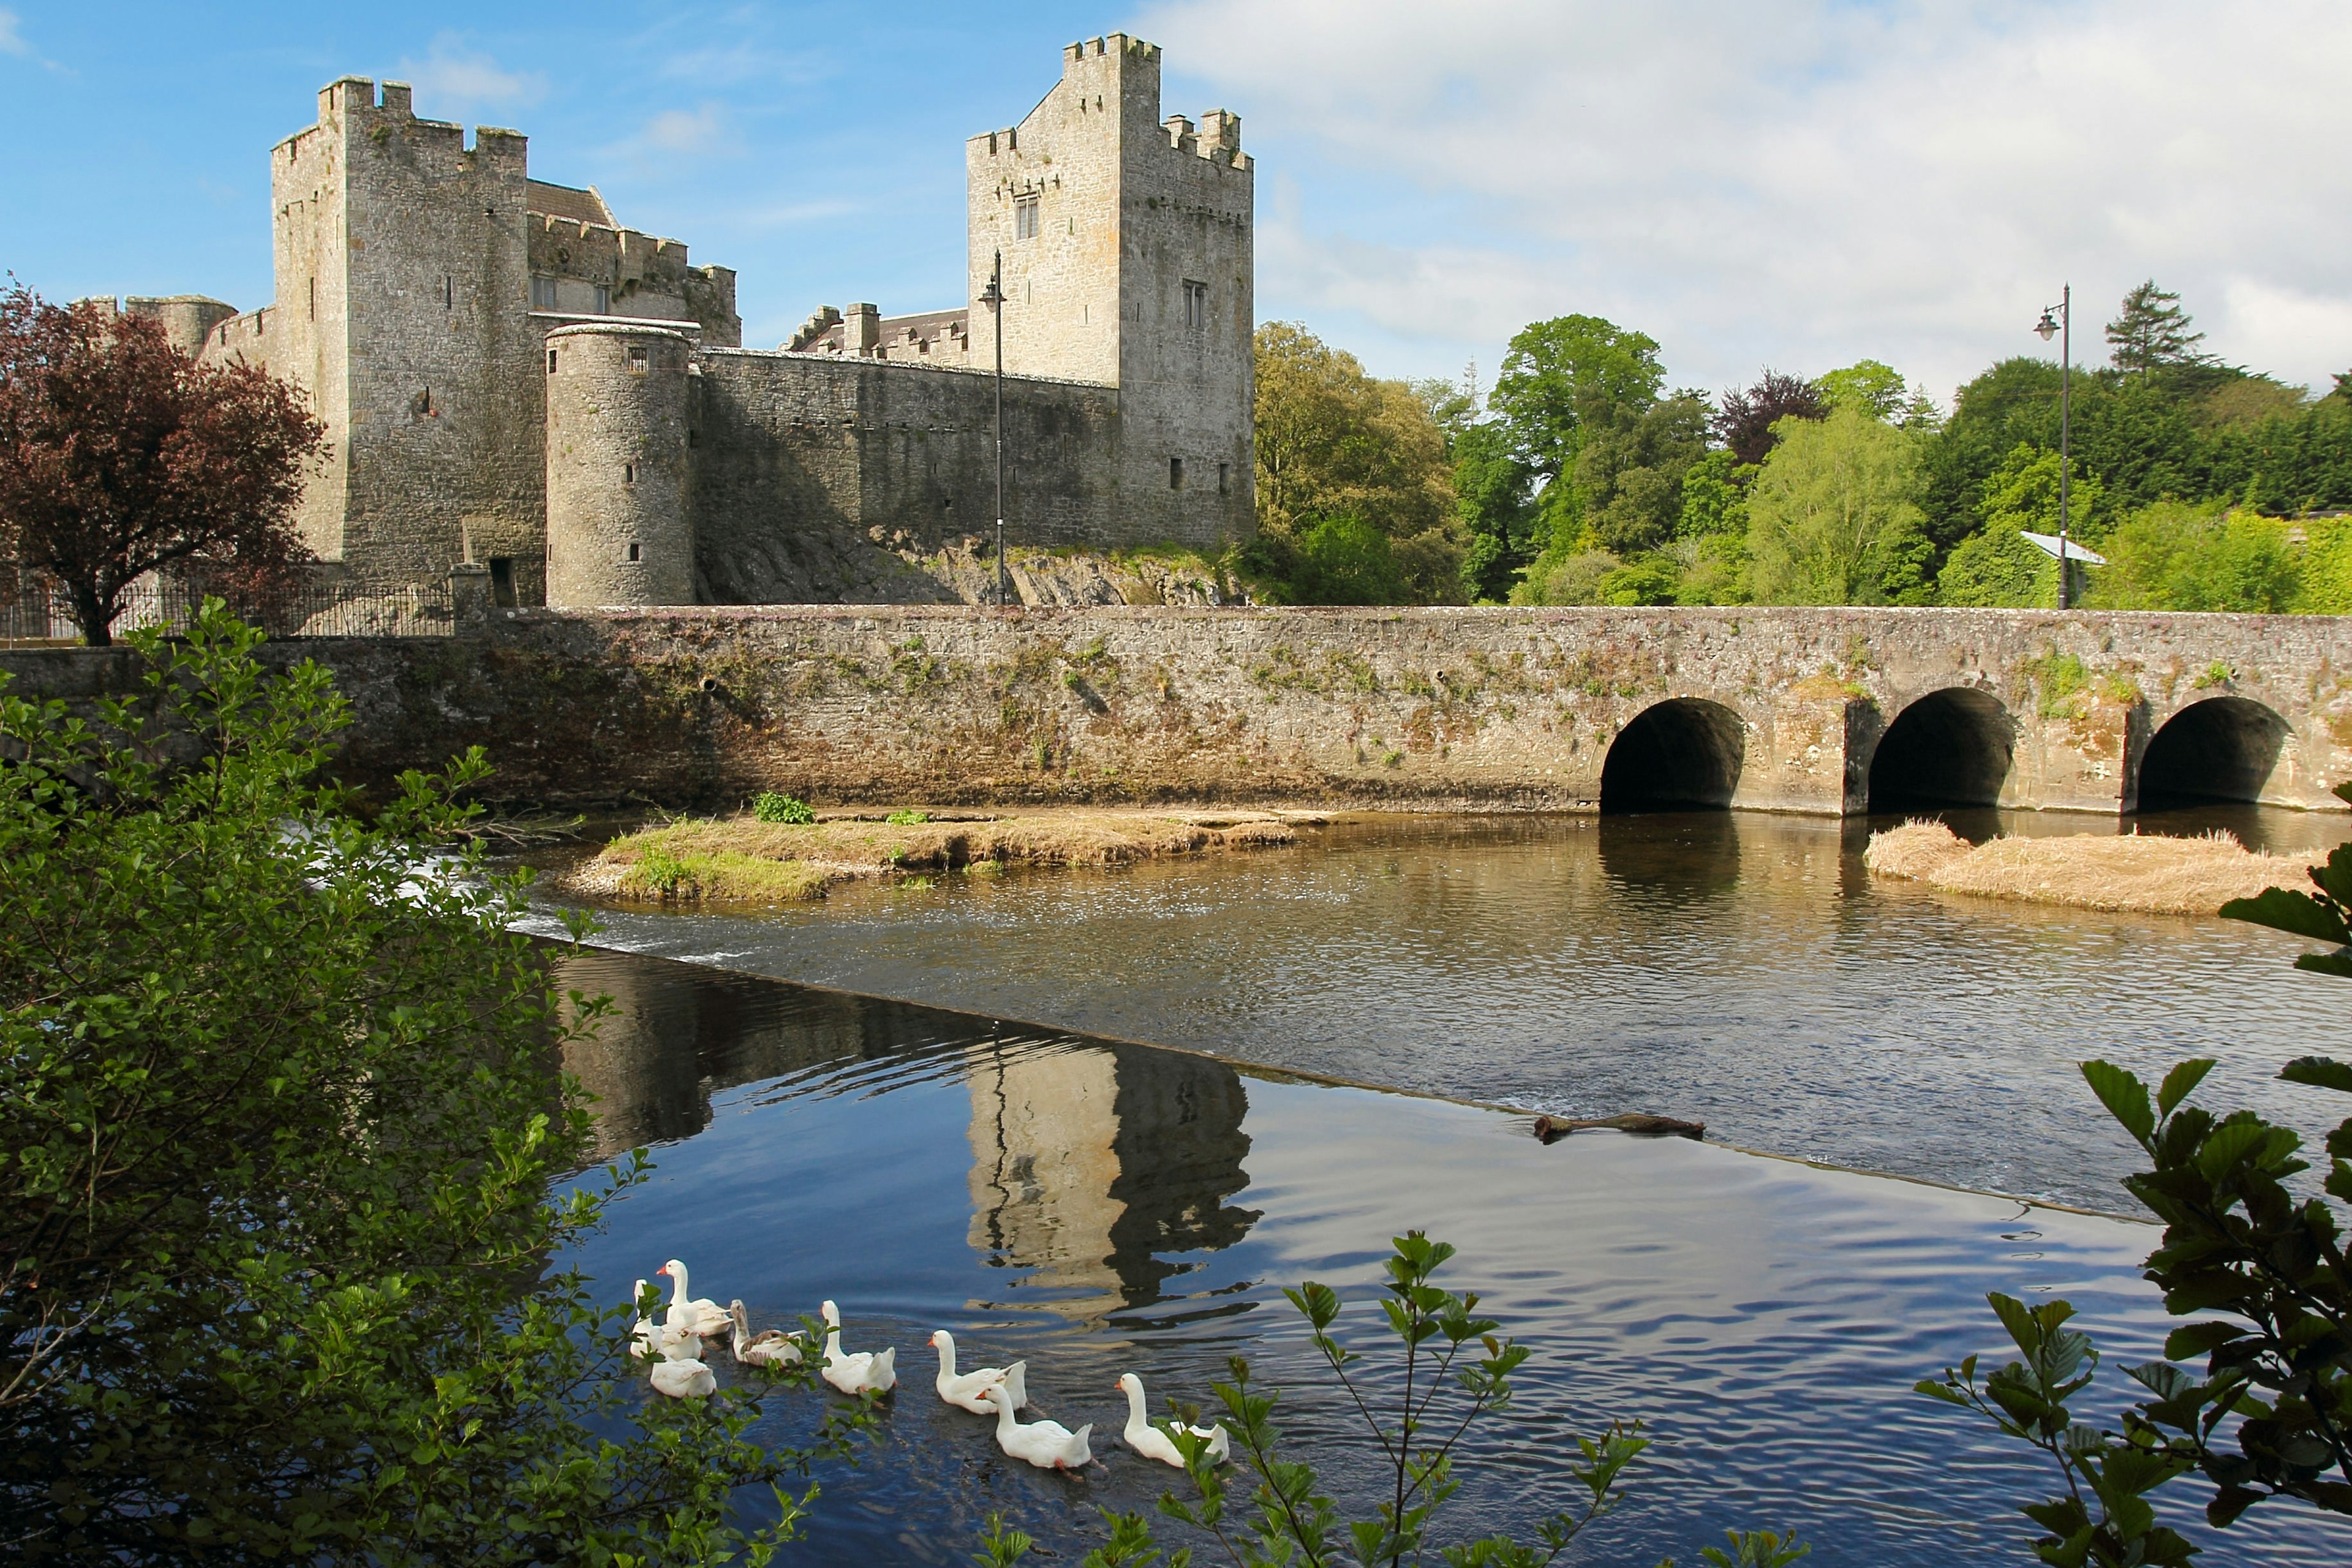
[[1563, 377], [1335, 446], [1573, 577], [1830, 509], [2259, 1263], [2152, 333], [1491, 484], [277, 1130], [1998, 567], [1867, 386], [1629, 475], [2178, 556]]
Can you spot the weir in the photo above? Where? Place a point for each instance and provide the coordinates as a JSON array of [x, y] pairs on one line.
[[1834, 711]]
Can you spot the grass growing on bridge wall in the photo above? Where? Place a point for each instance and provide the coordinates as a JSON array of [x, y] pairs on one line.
[[2091, 872]]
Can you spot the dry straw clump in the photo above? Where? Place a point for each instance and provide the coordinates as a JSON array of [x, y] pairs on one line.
[[2143, 873], [744, 860]]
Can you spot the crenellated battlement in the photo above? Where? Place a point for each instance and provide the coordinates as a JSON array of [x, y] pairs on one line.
[[1111, 46]]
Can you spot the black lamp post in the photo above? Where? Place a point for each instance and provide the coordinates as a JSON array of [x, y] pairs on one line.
[[2064, 326], [993, 298]]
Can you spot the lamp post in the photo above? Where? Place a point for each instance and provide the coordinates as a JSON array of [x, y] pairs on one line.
[[2065, 327], [993, 298]]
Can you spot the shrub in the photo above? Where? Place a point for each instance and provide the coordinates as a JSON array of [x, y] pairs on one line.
[[277, 1136], [2259, 1264], [908, 819], [782, 809]]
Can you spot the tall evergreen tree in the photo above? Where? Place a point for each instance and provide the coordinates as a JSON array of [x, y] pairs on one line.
[[2153, 332]]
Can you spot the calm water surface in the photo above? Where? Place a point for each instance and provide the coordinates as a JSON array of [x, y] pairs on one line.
[[1736, 969], [1101, 1207]]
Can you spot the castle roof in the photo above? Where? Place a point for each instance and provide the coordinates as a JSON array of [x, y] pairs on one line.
[[566, 202]]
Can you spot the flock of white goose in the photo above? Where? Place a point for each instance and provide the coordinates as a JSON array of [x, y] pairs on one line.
[[674, 1345]]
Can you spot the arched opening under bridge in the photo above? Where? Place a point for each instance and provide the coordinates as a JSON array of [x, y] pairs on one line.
[[1951, 748], [2220, 749], [1682, 755]]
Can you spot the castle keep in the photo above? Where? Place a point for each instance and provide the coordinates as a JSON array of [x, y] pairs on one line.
[[510, 377]]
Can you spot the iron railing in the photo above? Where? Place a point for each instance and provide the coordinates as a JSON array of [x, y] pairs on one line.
[[34, 610]]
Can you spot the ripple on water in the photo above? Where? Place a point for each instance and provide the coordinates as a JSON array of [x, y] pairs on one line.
[[1098, 1208], [1739, 970]]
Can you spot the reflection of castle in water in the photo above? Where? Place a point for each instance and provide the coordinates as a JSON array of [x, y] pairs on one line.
[[1089, 1164]]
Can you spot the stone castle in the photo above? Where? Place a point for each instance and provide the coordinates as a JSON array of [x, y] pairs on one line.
[[510, 377]]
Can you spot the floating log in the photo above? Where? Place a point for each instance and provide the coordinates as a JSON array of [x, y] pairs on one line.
[[1552, 1128]]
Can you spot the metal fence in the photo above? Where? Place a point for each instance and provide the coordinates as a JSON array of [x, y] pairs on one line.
[[34, 610]]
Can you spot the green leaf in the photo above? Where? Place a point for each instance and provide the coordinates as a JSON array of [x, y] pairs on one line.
[[2181, 1082], [2283, 909], [2125, 1097], [2319, 1072]]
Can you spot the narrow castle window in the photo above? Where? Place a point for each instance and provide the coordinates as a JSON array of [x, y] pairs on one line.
[[542, 293], [1175, 473], [502, 581], [448, 292], [1196, 304], [1223, 469], [639, 359], [314, 299], [551, 362], [636, 550], [1025, 217], [604, 300], [628, 473]]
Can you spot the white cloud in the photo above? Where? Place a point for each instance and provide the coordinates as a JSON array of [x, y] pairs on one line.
[[12, 42], [1800, 185], [454, 81], [701, 130]]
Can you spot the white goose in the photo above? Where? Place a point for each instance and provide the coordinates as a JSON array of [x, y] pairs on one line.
[[681, 1377], [770, 1347], [964, 1389], [1048, 1445], [650, 1339], [1152, 1443], [688, 1316], [867, 1372]]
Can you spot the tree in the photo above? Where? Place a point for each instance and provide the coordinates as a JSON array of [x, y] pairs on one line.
[[2248, 1250], [1490, 490], [1873, 388], [1830, 509], [1628, 475], [1746, 422], [1563, 377], [2152, 333], [1998, 567], [119, 456], [2178, 555], [1336, 444], [277, 1130]]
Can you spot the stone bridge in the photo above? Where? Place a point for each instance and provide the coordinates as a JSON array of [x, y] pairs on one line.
[[1832, 712]]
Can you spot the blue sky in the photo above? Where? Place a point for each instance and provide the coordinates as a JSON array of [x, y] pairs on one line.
[[1799, 184]]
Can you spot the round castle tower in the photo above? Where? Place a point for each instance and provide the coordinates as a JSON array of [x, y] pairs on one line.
[[617, 473]]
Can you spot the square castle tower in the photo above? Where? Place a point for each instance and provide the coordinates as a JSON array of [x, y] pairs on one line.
[[432, 298]]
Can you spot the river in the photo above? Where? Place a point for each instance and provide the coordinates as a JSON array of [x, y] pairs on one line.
[[1731, 968]]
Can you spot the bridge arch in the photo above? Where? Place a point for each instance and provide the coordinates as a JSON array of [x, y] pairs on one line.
[[1952, 747], [2222, 748], [1681, 755]]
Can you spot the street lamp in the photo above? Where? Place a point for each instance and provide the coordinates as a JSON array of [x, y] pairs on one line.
[[2065, 327], [993, 298]]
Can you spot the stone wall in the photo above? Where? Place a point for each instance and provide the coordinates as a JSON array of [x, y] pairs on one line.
[[799, 459], [1822, 710]]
